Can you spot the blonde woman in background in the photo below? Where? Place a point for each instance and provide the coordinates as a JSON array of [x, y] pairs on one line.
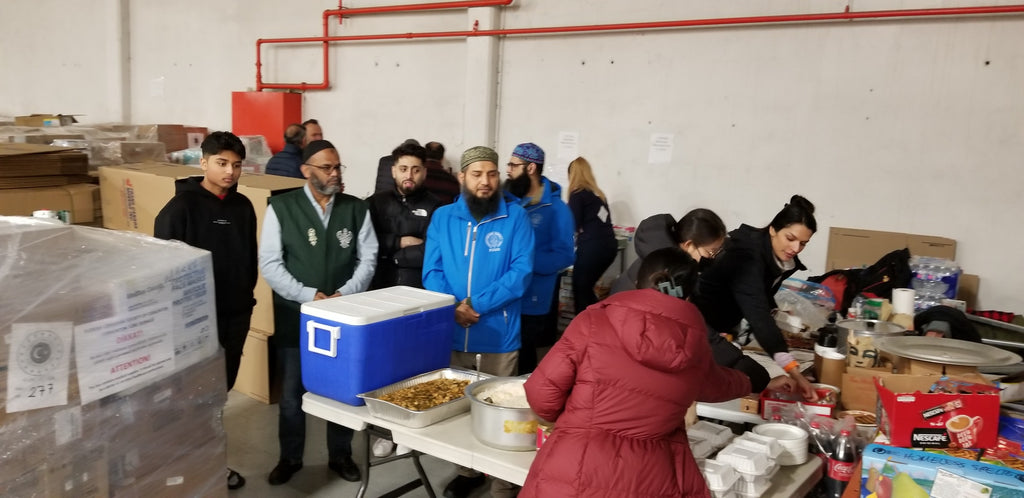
[[595, 239]]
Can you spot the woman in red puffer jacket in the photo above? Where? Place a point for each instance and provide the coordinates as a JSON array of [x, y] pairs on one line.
[[618, 384]]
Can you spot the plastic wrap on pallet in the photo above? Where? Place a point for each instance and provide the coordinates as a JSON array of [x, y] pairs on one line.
[[111, 378]]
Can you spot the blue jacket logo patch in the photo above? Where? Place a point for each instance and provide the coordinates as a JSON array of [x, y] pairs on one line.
[[494, 241]]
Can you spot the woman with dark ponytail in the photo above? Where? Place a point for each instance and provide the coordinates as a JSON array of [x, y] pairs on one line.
[[742, 283]]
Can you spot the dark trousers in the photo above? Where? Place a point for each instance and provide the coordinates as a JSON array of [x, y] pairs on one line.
[[593, 257], [231, 332], [537, 331], [291, 428]]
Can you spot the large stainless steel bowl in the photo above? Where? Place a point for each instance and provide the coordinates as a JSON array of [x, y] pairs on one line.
[[513, 429]]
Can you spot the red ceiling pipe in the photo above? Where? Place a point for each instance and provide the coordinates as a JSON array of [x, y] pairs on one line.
[[792, 18], [384, 9], [347, 12]]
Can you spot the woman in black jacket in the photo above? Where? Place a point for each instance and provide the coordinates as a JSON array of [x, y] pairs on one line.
[[596, 246], [743, 281]]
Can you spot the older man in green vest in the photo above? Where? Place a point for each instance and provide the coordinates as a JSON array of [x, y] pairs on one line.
[[317, 242]]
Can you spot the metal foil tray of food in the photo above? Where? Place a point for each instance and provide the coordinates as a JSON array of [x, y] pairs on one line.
[[420, 418]]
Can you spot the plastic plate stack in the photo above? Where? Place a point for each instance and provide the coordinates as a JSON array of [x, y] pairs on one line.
[[793, 441]]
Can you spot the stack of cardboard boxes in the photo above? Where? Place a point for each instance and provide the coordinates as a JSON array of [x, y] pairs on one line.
[[132, 196], [35, 177], [110, 374]]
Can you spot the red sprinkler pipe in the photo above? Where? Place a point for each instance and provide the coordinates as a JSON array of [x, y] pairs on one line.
[[686, 23], [341, 12], [384, 9]]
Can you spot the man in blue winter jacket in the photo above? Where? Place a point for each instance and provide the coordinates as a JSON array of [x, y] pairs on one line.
[[553, 229], [480, 250]]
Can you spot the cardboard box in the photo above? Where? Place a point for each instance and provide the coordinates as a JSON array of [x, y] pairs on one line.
[[917, 367], [133, 194], [81, 199], [41, 120], [26, 160], [171, 135], [254, 373], [46, 138], [851, 247], [910, 416], [194, 136], [139, 152], [778, 402], [901, 472]]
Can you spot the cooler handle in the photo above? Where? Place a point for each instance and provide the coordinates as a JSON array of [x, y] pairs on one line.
[[311, 328]]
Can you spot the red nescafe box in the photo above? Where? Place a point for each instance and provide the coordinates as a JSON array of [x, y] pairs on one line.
[[914, 419], [772, 401]]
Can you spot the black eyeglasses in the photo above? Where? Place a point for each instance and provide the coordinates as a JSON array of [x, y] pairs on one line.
[[328, 169], [515, 165]]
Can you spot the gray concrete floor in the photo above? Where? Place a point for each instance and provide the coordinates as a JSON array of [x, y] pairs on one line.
[[252, 451]]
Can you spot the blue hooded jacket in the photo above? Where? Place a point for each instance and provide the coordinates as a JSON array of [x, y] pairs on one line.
[[490, 261], [553, 230]]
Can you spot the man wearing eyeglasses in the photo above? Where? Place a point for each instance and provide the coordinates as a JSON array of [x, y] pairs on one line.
[[553, 231], [400, 219], [316, 243]]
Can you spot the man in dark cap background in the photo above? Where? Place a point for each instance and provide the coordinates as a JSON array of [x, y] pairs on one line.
[[316, 243], [480, 250]]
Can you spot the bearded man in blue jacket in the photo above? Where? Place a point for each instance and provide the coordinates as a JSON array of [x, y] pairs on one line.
[[480, 250], [553, 230]]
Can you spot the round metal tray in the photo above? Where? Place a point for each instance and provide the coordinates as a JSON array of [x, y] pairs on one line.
[[948, 351]]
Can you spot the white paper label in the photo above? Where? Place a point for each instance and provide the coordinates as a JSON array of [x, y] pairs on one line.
[[660, 151], [189, 288], [39, 363], [568, 145], [950, 485], [118, 353]]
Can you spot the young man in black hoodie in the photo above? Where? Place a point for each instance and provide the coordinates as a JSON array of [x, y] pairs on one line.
[[208, 212]]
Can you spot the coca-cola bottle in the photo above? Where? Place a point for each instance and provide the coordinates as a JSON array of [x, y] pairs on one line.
[[840, 465], [820, 441]]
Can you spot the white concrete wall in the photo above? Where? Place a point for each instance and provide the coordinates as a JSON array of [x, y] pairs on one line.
[[903, 125]]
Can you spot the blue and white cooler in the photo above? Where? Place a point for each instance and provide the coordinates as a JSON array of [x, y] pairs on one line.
[[354, 344]]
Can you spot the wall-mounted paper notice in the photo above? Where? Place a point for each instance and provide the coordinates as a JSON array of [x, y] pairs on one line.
[[568, 145], [127, 350], [38, 366], [661, 148]]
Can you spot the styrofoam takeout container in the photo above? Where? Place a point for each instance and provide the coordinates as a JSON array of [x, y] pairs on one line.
[[744, 459], [700, 447], [766, 444], [718, 435], [719, 476]]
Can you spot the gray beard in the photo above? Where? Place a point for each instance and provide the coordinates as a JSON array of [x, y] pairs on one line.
[[323, 188]]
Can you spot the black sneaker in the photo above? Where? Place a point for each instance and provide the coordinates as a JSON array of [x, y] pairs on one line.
[[345, 468], [235, 480], [462, 486], [283, 472]]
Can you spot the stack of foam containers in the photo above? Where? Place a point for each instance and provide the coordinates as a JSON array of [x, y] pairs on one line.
[[753, 457], [721, 478]]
